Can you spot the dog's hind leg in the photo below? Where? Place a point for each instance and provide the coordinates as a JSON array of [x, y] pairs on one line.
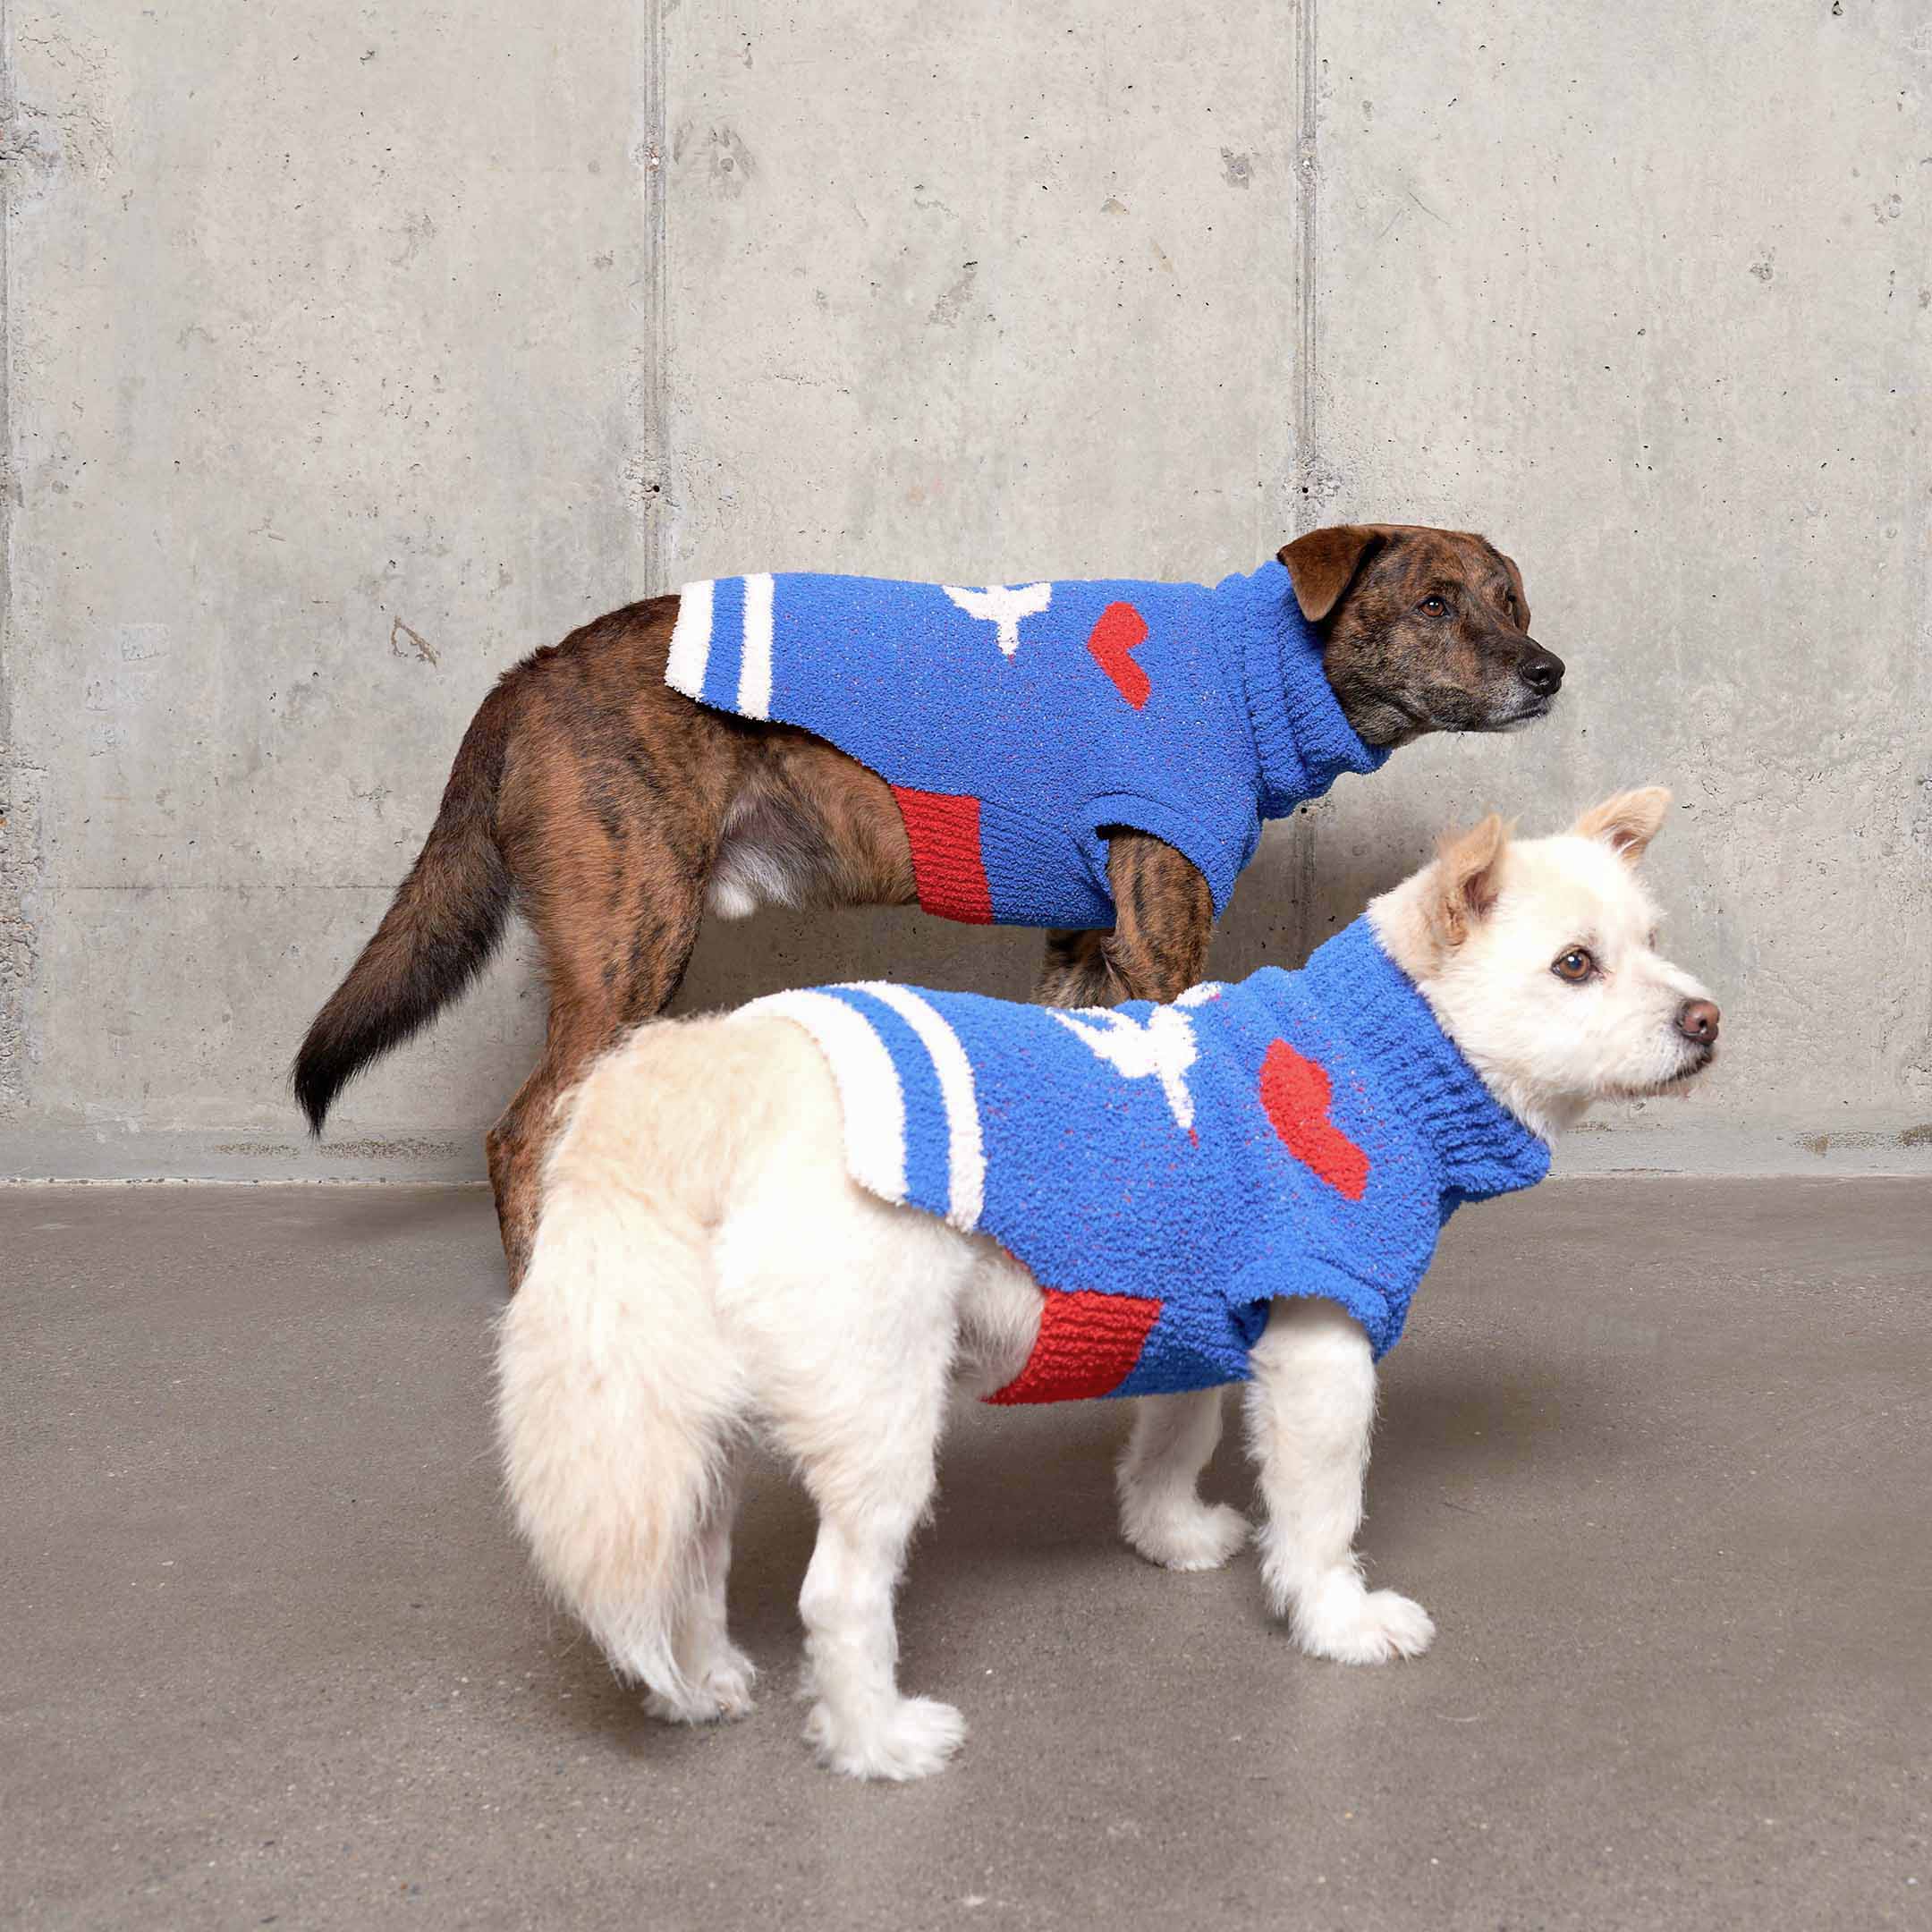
[[871, 1490], [854, 1374], [1311, 1409], [608, 966], [608, 819], [1161, 1514], [715, 1676], [514, 1146]]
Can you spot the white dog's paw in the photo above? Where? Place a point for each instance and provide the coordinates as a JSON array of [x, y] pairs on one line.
[[729, 1678], [722, 1691], [912, 1740], [1189, 1535], [1357, 1626]]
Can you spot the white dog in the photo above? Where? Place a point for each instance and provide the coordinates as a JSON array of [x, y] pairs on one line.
[[706, 1266]]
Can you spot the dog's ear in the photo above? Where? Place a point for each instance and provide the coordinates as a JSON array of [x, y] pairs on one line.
[[1325, 563], [1626, 823], [1518, 592], [1468, 869]]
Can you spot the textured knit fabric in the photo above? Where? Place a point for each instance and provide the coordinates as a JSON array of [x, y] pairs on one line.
[[1014, 722], [1166, 1172]]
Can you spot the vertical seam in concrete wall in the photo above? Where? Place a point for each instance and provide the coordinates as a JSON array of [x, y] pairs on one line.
[[19, 828], [652, 460], [9, 134], [1307, 182], [1304, 502]]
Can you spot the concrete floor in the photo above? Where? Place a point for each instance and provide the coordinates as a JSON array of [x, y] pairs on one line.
[[1656, 1456]]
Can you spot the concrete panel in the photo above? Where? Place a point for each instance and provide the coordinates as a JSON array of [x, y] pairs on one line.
[[1643, 290], [350, 355], [327, 396]]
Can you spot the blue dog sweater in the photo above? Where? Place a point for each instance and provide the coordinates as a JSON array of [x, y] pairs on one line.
[[1166, 1172], [1014, 722]]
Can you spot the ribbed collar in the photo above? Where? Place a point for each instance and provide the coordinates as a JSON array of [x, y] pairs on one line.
[[1393, 1040], [1302, 741]]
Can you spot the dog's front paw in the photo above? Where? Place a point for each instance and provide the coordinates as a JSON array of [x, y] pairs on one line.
[[1188, 1535], [1341, 1620], [722, 1691], [912, 1739]]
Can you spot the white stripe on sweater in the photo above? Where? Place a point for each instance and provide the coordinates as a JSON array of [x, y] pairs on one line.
[[866, 1081], [690, 639], [754, 666], [965, 1154]]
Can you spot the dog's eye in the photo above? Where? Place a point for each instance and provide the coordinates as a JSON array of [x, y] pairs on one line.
[[1433, 607], [1576, 966]]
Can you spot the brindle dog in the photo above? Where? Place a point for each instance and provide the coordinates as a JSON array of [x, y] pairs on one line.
[[609, 810]]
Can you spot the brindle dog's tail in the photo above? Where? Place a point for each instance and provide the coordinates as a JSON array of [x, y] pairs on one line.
[[442, 926]]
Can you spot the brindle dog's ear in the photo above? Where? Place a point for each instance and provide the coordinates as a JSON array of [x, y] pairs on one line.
[[1517, 593], [1325, 563]]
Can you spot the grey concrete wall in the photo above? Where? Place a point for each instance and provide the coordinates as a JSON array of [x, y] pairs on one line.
[[352, 351]]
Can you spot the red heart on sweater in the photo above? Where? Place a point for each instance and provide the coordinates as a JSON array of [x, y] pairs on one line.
[[1119, 632], [1295, 1093]]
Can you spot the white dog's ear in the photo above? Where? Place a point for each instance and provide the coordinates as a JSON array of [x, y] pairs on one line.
[[1469, 868], [1626, 823]]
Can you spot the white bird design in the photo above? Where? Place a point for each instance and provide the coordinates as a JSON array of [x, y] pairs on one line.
[[1002, 606], [1163, 1047]]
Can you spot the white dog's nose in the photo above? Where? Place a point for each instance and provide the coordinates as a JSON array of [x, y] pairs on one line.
[[1697, 1020]]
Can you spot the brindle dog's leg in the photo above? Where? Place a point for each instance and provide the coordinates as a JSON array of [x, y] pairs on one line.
[[1156, 951], [642, 965], [516, 1144], [1158, 948], [611, 836], [586, 1017]]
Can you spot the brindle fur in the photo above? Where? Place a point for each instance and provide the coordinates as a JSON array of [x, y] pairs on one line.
[[603, 805], [1397, 671]]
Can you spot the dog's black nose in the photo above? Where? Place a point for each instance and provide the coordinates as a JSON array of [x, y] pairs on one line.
[[1697, 1020], [1542, 672]]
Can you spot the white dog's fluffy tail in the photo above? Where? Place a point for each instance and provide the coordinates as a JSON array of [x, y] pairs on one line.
[[616, 1390]]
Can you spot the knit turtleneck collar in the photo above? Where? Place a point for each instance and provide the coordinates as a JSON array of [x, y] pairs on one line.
[[1393, 1040], [1302, 741]]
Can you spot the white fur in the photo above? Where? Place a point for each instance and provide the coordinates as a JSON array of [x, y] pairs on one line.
[[1547, 1049], [705, 1267], [753, 868]]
